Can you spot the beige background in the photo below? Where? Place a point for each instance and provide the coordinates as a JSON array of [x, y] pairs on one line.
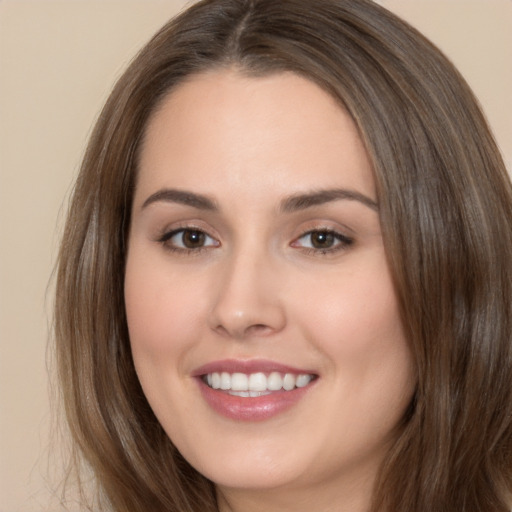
[[58, 61]]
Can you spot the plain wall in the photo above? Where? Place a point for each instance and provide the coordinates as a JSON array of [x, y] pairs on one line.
[[58, 61]]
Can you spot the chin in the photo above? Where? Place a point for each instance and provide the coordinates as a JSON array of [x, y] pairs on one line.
[[250, 476]]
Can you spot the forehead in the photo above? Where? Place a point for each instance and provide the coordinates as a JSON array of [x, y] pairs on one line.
[[277, 131]]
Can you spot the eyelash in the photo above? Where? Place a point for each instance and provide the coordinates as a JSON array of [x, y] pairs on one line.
[[167, 236], [340, 241]]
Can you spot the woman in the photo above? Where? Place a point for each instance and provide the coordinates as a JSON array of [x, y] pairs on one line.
[[285, 280]]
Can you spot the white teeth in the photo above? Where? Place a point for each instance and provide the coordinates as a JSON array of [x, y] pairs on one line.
[[256, 384], [225, 380], [274, 381], [215, 381], [302, 380], [239, 382], [258, 393], [289, 382], [249, 393]]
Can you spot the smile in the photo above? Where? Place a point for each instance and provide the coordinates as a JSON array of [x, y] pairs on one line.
[[253, 390], [256, 384]]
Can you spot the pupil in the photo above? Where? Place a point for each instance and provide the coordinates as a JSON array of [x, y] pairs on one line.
[[322, 239], [192, 239]]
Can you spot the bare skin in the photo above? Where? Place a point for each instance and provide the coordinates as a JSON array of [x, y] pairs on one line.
[[256, 236]]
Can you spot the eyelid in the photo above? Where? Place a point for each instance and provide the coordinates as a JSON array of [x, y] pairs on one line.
[[342, 241], [165, 237]]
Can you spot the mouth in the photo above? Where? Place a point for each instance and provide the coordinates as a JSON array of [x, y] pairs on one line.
[[256, 384], [252, 390]]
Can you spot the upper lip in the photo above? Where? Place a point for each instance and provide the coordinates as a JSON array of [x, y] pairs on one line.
[[248, 366]]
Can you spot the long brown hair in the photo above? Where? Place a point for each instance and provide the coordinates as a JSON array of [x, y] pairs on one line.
[[446, 211]]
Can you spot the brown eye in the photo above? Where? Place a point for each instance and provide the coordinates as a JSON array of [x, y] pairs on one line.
[[193, 239], [322, 239], [188, 239]]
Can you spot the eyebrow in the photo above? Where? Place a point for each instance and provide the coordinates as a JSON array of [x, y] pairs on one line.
[[315, 198], [169, 195], [291, 204]]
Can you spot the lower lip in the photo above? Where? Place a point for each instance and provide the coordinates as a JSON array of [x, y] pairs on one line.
[[257, 408]]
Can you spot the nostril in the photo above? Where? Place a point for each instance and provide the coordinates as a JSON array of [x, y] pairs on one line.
[[245, 332], [258, 329]]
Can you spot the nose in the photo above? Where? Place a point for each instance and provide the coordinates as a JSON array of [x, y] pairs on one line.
[[248, 300]]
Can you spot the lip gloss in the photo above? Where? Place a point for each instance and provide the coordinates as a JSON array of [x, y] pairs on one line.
[[247, 408], [257, 408]]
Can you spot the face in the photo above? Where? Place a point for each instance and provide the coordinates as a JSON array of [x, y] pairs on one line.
[[262, 317]]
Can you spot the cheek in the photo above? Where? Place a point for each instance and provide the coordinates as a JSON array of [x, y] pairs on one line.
[[354, 321], [162, 310], [354, 313]]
